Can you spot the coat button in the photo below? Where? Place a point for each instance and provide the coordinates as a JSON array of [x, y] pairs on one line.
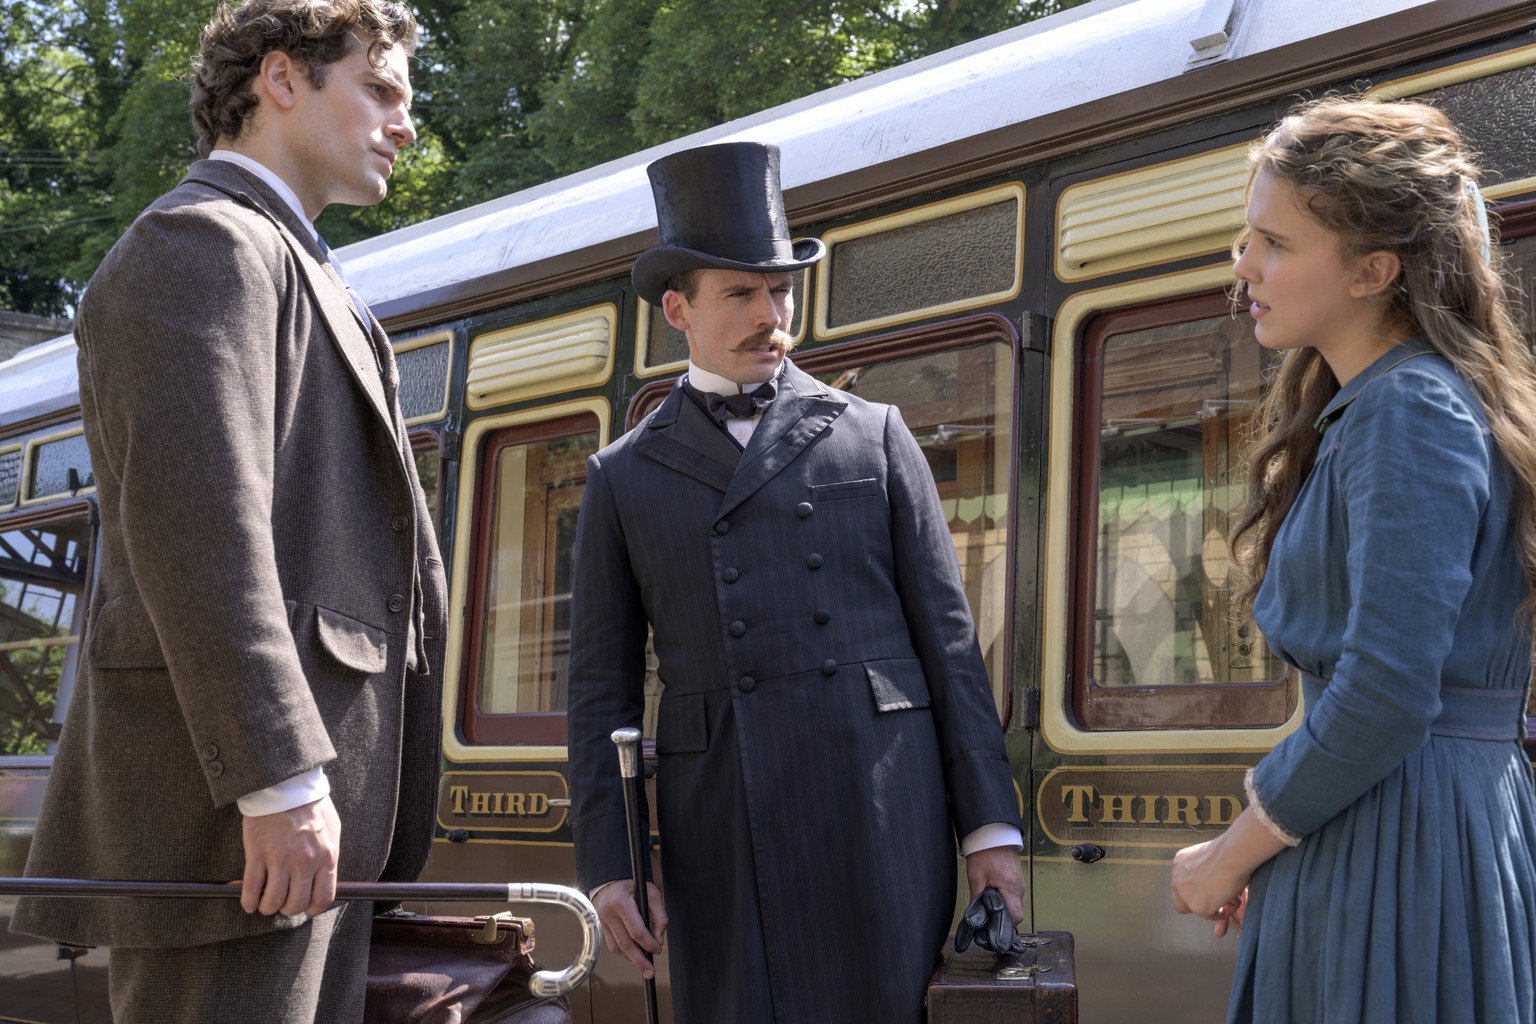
[[216, 769], [738, 628], [822, 616], [746, 684], [803, 510], [399, 523], [210, 753], [722, 527], [813, 562], [829, 667], [395, 602], [731, 575]]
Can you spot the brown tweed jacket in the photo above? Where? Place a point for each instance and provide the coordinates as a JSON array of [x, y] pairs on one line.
[[269, 582]]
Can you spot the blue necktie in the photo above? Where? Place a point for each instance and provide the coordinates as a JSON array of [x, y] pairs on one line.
[[357, 301]]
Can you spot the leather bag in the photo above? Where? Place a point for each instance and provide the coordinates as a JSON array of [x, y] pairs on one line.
[[455, 970]]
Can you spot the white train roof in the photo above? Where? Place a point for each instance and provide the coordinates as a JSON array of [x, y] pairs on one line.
[[1108, 51], [1098, 51]]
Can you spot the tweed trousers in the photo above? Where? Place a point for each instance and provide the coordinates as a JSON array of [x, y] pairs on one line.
[[316, 973]]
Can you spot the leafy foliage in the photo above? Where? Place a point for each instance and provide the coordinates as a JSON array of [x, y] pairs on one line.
[[510, 93]]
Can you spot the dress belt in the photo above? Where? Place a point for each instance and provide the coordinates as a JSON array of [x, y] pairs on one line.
[[1466, 712]]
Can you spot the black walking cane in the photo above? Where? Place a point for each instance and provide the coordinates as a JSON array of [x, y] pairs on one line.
[[628, 742]]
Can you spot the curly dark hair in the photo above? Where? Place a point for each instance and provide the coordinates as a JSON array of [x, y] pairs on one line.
[[315, 33]]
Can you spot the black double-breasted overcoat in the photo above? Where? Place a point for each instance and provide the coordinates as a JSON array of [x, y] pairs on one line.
[[826, 728]]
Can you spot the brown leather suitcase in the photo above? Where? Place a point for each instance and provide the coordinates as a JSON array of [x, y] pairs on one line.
[[1038, 986]]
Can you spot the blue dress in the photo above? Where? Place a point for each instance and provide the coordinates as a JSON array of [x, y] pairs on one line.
[[1394, 586]]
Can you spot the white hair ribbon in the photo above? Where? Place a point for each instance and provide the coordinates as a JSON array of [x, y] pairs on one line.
[[1482, 218]]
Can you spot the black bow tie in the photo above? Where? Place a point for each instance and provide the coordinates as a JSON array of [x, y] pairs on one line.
[[743, 406]]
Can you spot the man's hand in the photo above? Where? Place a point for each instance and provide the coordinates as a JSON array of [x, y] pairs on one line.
[[999, 868], [623, 931], [290, 860]]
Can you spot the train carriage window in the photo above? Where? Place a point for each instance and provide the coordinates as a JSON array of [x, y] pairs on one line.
[[1521, 266], [954, 388], [429, 462], [532, 481], [1158, 643], [43, 563], [941, 257]]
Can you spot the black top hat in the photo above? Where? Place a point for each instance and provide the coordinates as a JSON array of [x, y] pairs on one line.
[[719, 207]]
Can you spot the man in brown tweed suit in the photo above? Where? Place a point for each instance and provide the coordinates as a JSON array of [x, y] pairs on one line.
[[259, 697]]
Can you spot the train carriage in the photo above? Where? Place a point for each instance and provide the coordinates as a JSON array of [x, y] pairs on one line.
[[1028, 253]]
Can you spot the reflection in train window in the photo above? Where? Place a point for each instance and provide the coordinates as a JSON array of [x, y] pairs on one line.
[[42, 605], [532, 480], [1158, 641], [957, 402], [1521, 266], [429, 463], [1174, 402]]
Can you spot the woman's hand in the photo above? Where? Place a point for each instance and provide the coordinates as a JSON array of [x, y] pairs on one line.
[[1211, 879]]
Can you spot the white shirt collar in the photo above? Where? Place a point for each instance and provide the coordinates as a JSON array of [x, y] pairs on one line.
[[706, 382], [277, 184]]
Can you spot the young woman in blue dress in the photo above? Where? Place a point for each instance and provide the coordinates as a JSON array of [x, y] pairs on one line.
[[1383, 869]]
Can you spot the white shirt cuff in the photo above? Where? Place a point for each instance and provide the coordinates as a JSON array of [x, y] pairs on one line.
[[989, 836], [286, 795]]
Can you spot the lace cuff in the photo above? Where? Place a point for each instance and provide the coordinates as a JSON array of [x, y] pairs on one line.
[[1279, 831]]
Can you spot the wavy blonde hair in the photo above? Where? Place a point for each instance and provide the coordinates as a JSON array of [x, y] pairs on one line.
[[1393, 177]]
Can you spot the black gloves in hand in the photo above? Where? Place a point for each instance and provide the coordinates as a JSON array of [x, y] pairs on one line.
[[988, 922]]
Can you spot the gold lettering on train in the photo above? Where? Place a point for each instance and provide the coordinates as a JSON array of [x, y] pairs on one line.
[[469, 803], [1087, 805], [491, 801], [1149, 807]]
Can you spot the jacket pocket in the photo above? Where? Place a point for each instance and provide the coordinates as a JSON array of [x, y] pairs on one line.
[[352, 644], [868, 487], [122, 636], [680, 725], [898, 684]]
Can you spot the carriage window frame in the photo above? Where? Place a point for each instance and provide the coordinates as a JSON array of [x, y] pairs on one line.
[[77, 509], [423, 441], [1100, 709], [512, 728], [907, 343]]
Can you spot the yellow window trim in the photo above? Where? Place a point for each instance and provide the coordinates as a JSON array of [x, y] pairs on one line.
[[29, 462], [454, 748], [905, 218], [1060, 732], [426, 340]]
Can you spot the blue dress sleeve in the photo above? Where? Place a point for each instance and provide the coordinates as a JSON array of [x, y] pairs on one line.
[[1411, 470]]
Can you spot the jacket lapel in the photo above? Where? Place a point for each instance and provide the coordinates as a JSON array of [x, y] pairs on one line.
[[803, 409], [681, 436], [354, 340]]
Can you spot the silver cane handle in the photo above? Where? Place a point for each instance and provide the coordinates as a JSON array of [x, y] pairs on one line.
[[628, 742], [558, 983]]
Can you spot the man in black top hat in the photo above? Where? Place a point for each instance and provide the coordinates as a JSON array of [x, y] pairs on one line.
[[826, 731]]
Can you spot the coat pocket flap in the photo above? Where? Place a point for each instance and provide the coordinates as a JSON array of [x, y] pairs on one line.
[[897, 684], [354, 644], [680, 725], [123, 636], [865, 488]]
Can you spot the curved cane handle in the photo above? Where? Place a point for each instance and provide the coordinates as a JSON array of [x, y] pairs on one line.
[[558, 983]]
